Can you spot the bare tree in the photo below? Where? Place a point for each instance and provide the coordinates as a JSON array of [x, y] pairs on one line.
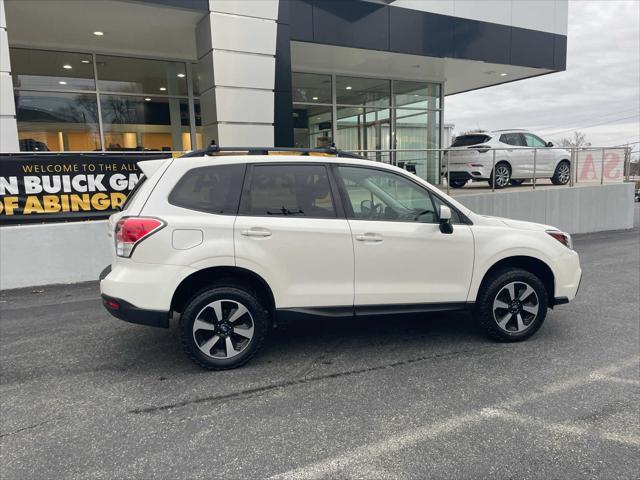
[[578, 140]]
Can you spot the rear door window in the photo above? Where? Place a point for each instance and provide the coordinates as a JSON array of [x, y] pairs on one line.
[[214, 189], [468, 140], [514, 139], [289, 190]]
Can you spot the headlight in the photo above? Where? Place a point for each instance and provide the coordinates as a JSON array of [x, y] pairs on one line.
[[562, 237]]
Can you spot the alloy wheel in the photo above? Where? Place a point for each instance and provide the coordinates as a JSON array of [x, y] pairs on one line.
[[515, 307], [502, 175], [563, 173], [223, 329]]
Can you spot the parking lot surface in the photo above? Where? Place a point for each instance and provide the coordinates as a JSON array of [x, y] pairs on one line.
[[87, 396]]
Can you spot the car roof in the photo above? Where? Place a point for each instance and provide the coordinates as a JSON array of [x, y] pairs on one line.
[[280, 158]]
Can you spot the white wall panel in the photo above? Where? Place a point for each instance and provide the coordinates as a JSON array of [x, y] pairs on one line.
[[544, 15], [244, 105], [245, 135], [3, 18], [8, 136], [534, 14], [493, 11], [243, 70], [244, 34], [5, 63], [251, 8], [561, 17], [7, 104], [442, 7]]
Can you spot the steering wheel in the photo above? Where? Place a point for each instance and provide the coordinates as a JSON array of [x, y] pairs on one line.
[[368, 209], [421, 213]]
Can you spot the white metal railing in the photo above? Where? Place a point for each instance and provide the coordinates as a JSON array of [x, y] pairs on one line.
[[586, 164]]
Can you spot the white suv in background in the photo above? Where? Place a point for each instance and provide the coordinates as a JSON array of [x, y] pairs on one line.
[[231, 243], [470, 157]]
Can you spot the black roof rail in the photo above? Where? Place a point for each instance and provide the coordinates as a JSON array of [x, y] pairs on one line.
[[213, 149]]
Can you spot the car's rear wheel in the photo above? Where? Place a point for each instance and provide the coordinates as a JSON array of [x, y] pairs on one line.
[[562, 173], [223, 327], [457, 183], [502, 175], [512, 305]]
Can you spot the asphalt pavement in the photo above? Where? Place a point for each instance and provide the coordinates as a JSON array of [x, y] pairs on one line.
[[84, 395]]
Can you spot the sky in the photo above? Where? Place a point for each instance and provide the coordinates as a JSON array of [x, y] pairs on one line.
[[598, 94]]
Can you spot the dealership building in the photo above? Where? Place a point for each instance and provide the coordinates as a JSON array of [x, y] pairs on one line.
[[173, 75], [95, 86]]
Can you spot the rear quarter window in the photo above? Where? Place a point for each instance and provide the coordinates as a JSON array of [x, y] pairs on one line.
[[214, 189], [468, 140]]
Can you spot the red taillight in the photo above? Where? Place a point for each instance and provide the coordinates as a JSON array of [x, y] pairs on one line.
[[112, 304], [563, 238], [132, 230]]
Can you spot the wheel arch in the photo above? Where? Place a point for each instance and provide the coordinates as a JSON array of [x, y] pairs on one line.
[[525, 262], [223, 275]]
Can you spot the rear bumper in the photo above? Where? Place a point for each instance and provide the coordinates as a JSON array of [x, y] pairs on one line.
[[130, 313]]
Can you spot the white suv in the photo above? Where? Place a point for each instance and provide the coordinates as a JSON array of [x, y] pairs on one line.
[[231, 243], [470, 157]]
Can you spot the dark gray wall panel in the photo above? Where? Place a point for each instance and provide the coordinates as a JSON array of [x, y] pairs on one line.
[[429, 35], [301, 19], [488, 42], [351, 22], [560, 52], [532, 48]]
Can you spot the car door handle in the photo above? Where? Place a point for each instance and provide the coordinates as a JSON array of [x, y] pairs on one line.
[[256, 232], [369, 237]]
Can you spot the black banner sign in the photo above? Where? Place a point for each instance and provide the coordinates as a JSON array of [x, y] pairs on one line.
[[66, 186]]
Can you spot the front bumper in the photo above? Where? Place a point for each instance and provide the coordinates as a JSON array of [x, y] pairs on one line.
[[132, 314]]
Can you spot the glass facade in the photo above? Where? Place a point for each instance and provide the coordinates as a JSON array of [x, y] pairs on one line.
[[392, 121], [69, 101]]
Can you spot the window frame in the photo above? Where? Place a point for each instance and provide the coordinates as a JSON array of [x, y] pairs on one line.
[[523, 141], [544, 144], [244, 208], [233, 213], [348, 208]]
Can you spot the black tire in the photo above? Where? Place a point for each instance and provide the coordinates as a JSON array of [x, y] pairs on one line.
[[516, 183], [503, 178], [494, 289], [457, 183], [226, 296], [562, 173]]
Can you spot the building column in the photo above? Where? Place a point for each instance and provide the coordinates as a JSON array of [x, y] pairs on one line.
[[236, 44], [8, 125]]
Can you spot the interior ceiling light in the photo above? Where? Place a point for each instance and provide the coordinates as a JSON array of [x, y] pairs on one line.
[[315, 98], [67, 67], [504, 74], [163, 89], [348, 88], [86, 61], [181, 75], [147, 99], [98, 33], [62, 83]]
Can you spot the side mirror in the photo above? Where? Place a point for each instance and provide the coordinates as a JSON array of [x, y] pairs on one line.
[[549, 144], [445, 219]]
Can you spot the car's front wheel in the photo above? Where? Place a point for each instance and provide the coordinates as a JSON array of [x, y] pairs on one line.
[[223, 327], [511, 305], [501, 176], [562, 173]]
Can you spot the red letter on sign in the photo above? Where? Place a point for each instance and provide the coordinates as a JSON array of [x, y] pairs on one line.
[[612, 166], [586, 167]]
